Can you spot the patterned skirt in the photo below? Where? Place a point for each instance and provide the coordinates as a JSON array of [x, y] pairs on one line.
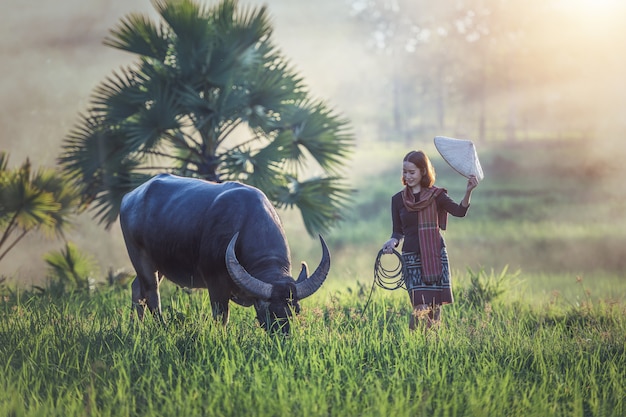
[[436, 293]]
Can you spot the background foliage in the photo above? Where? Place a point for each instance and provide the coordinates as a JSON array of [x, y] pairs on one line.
[[33, 201]]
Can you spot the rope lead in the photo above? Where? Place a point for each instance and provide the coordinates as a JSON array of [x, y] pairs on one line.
[[388, 279]]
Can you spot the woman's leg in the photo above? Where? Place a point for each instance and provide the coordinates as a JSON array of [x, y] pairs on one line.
[[420, 316], [435, 315], [427, 315]]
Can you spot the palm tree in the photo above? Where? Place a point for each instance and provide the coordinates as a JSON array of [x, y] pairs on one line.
[[29, 201], [209, 97], [70, 269]]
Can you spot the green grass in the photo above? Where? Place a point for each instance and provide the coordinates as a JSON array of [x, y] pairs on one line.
[[82, 355]]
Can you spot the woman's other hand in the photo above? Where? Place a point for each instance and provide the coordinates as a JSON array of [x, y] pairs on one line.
[[390, 245]]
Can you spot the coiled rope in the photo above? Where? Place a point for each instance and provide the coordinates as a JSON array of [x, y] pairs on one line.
[[389, 279], [386, 278]]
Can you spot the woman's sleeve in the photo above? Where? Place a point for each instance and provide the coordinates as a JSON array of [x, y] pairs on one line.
[[444, 202], [395, 220]]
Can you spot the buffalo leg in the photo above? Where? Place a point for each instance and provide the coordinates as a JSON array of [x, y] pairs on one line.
[[219, 304], [220, 312], [153, 299], [145, 288], [139, 301]]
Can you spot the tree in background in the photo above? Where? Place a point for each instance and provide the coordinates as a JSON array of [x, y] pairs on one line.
[[436, 59], [210, 97], [40, 201], [490, 69]]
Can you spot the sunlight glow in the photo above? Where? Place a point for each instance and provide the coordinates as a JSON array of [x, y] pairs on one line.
[[600, 6], [593, 16], [592, 8]]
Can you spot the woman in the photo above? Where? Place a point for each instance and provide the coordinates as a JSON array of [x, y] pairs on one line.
[[418, 212]]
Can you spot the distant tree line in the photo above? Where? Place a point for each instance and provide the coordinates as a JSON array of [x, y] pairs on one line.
[[489, 69]]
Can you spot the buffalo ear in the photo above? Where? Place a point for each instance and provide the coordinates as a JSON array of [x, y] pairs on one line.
[[315, 281], [304, 273]]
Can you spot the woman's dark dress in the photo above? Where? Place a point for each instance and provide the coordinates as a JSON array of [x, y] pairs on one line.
[[405, 226]]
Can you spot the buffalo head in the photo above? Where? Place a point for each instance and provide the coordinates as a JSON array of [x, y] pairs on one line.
[[277, 301]]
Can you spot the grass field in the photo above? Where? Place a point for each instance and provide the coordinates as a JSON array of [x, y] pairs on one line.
[[82, 356]]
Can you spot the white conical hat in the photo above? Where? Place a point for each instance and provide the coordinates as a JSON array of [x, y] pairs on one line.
[[461, 155]]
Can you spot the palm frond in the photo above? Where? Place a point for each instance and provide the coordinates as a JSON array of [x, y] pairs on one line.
[[70, 268], [198, 105], [119, 97], [90, 145], [241, 27], [268, 168], [137, 34], [324, 134], [29, 201], [115, 184], [271, 88], [4, 162], [146, 128], [191, 36], [186, 18], [231, 105], [284, 149], [320, 201], [30, 206], [237, 42], [64, 192], [236, 164]]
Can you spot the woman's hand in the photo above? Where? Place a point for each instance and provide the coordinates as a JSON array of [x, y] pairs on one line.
[[389, 245], [472, 183]]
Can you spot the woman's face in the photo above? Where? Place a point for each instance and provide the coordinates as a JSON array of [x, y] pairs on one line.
[[411, 174]]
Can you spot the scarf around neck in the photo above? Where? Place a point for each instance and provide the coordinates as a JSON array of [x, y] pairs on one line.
[[429, 221]]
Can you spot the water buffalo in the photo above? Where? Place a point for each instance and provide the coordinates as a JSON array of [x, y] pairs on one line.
[[225, 237]]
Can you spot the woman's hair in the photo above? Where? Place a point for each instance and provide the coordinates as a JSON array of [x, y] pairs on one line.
[[421, 161]]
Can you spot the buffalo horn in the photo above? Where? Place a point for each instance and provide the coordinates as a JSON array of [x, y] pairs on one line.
[[306, 287], [242, 278]]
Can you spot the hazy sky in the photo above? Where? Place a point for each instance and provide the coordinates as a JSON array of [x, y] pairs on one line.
[[53, 58]]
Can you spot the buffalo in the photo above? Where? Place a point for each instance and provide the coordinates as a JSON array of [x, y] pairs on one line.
[[225, 237]]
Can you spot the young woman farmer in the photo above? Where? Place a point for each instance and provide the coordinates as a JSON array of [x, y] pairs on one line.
[[418, 212]]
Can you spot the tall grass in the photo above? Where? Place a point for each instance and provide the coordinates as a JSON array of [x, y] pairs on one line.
[[84, 356]]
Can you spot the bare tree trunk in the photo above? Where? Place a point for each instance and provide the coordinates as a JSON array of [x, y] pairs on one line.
[[482, 114], [511, 125], [440, 99]]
